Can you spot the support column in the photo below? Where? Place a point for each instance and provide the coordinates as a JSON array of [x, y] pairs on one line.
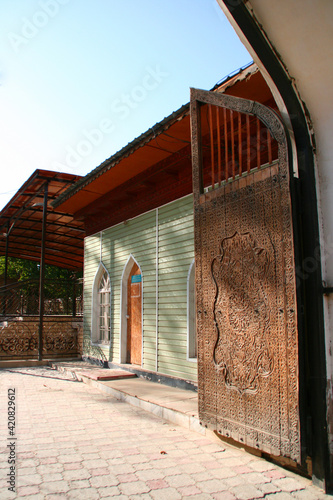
[[6, 255], [4, 310], [41, 277]]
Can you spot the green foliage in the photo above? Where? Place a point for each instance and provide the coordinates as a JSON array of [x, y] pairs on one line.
[[60, 289], [23, 270]]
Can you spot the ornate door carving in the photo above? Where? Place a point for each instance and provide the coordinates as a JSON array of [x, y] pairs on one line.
[[245, 274]]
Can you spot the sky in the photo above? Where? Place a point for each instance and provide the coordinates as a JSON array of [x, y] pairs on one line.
[[80, 79]]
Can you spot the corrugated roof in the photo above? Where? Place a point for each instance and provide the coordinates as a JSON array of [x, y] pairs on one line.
[[126, 151], [21, 222], [93, 192]]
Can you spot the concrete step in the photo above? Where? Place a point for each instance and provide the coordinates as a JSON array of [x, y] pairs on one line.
[[107, 374]]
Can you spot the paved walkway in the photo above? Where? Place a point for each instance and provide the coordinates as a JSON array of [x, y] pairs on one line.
[[178, 406], [74, 441]]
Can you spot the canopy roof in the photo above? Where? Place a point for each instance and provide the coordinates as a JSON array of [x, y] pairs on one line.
[[21, 223]]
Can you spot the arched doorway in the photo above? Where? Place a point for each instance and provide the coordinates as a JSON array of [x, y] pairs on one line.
[[131, 313], [134, 316]]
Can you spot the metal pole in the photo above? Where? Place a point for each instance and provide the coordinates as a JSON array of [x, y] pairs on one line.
[[6, 272], [6, 255], [74, 297], [41, 277]]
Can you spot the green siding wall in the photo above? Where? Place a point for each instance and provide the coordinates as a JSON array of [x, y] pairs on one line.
[[176, 252], [91, 263], [138, 237]]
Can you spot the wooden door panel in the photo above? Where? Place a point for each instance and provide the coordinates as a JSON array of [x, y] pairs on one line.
[[134, 316], [245, 283], [136, 322]]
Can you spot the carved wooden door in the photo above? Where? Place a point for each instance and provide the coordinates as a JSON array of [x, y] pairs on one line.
[[134, 316], [245, 274]]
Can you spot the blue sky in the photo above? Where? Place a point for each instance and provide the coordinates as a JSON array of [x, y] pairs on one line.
[[79, 79]]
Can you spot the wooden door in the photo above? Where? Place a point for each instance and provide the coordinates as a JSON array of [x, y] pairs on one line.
[[245, 274], [134, 316]]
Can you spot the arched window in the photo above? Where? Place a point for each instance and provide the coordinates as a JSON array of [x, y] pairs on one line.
[[101, 307], [191, 316], [104, 293]]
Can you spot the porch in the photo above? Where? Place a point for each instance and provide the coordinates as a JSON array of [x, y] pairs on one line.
[[41, 305]]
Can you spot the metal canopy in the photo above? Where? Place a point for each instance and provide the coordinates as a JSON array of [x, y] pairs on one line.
[[21, 223]]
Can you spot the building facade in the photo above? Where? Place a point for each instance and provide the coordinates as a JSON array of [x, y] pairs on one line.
[[146, 267], [202, 208]]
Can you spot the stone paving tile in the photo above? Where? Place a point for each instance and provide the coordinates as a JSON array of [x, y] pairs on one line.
[[150, 475], [308, 494], [30, 480], [50, 468], [80, 494], [103, 481], [121, 469], [27, 470], [180, 480], [287, 484], [190, 468], [256, 478], [143, 496], [28, 490], [171, 471], [246, 492], [201, 496], [94, 464], [212, 486], [224, 495], [235, 480], [39, 496], [261, 466], [165, 494], [281, 496], [56, 476], [155, 484], [187, 491], [109, 491], [223, 472], [268, 488], [100, 472], [202, 476], [80, 483], [126, 478], [144, 466], [134, 488], [54, 487], [77, 443], [76, 474]]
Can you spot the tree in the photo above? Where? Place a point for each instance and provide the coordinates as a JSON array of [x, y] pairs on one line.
[[60, 286], [23, 270]]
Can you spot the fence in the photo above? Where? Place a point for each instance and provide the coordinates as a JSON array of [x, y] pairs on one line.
[[61, 297], [20, 322]]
